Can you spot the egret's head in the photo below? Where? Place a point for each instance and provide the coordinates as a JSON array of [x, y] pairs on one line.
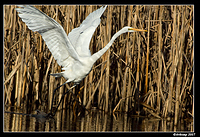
[[130, 29]]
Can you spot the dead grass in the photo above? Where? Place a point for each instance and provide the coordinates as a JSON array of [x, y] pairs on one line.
[[158, 65]]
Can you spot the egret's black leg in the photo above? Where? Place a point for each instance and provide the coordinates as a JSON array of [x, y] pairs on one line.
[[53, 96], [61, 100]]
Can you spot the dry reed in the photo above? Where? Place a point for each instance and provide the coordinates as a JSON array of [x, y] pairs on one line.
[[154, 68]]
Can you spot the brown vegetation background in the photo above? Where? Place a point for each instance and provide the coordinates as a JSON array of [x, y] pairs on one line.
[[153, 68]]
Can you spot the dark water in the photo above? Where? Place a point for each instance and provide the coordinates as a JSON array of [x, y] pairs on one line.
[[94, 121]]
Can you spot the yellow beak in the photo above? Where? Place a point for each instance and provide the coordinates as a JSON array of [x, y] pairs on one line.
[[137, 29]]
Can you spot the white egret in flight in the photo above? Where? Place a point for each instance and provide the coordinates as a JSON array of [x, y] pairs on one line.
[[72, 51]]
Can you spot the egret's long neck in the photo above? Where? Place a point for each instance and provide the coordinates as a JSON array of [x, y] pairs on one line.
[[98, 54]]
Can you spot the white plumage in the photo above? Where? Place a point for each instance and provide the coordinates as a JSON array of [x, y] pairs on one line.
[[72, 51]]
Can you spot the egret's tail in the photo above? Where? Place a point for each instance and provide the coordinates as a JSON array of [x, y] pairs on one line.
[[57, 75]]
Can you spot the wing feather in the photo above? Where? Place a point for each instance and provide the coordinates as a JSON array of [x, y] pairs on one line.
[[81, 36], [52, 33]]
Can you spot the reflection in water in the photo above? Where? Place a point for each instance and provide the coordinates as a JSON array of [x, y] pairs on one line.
[[95, 121]]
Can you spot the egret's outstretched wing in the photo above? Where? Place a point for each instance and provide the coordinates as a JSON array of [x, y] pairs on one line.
[[81, 36], [52, 33]]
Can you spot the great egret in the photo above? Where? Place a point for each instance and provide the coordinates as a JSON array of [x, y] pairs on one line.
[[72, 51]]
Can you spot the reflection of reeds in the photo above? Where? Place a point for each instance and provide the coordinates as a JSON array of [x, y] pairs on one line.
[[95, 121], [158, 64]]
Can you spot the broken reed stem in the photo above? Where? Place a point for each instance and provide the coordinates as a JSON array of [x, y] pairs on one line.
[[151, 63]]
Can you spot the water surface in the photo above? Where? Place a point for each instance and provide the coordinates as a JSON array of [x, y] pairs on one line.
[[96, 120]]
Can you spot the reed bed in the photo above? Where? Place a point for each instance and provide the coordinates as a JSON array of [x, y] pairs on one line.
[[142, 73]]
